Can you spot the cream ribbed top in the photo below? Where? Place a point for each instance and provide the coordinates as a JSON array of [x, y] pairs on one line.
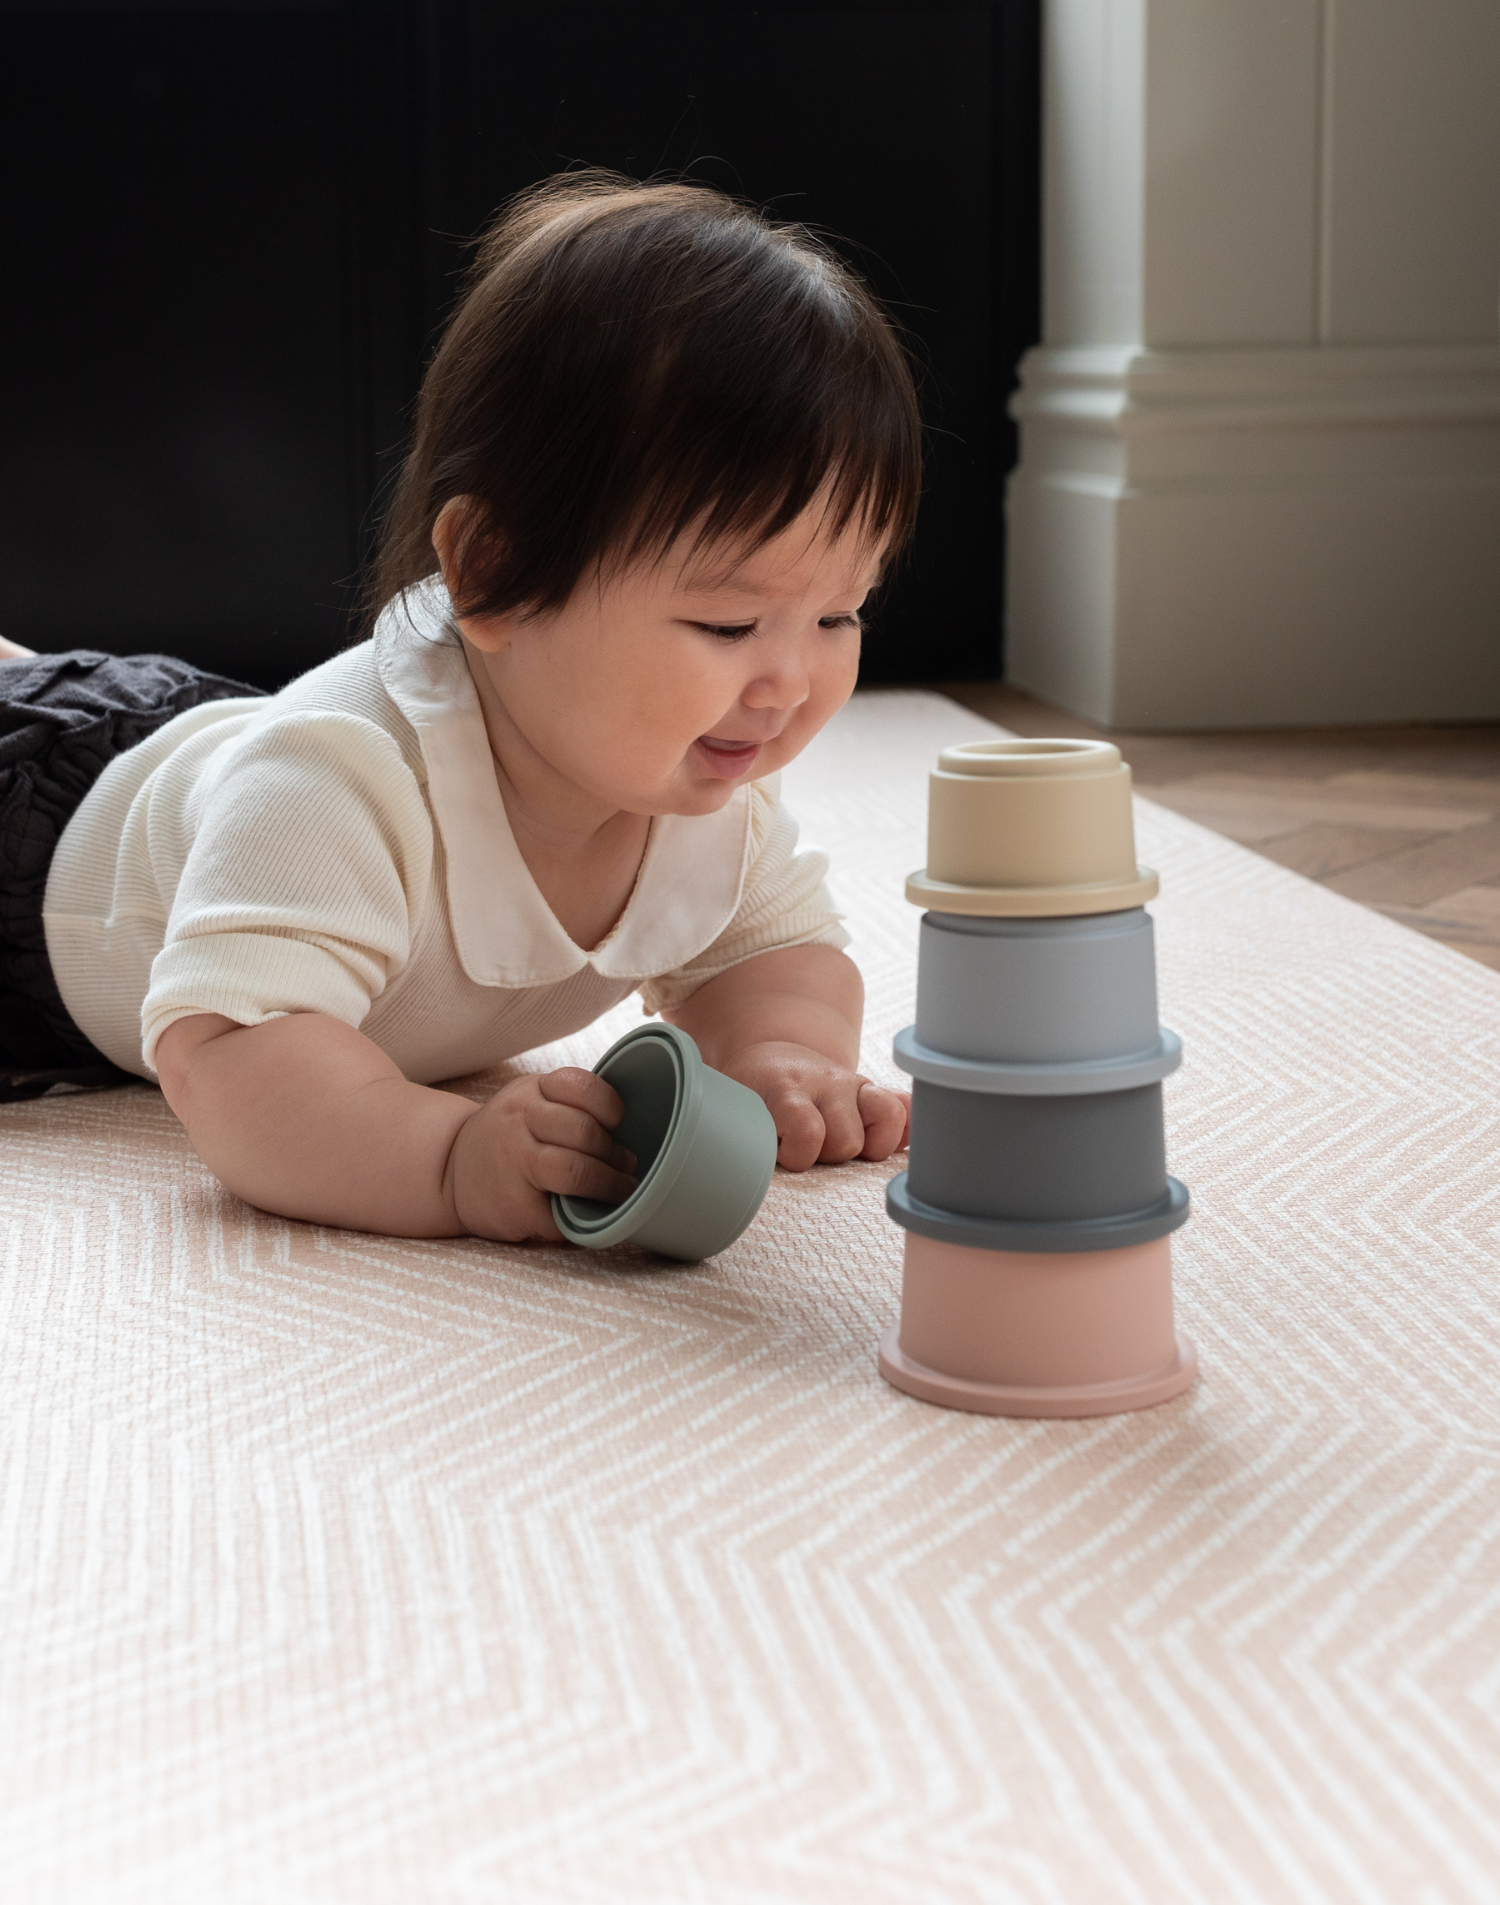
[[342, 847]]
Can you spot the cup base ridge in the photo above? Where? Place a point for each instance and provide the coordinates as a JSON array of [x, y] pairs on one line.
[[1073, 1077], [1169, 1213], [1032, 902], [1004, 1399]]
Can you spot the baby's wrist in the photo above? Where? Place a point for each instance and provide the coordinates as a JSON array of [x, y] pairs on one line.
[[786, 1060], [457, 1187], [767, 1051]]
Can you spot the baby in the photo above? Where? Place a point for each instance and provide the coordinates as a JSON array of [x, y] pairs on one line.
[[661, 458]]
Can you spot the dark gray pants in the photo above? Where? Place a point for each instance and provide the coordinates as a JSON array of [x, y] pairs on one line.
[[63, 719]]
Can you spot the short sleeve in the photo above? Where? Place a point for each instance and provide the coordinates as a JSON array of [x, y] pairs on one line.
[[309, 859], [784, 902]]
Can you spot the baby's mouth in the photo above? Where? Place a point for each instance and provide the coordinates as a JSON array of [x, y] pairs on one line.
[[727, 759]]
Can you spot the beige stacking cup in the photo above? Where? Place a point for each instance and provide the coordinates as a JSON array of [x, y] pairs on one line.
[[1030, 828]]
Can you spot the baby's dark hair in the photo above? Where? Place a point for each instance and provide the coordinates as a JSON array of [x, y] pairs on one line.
[[628, 361]]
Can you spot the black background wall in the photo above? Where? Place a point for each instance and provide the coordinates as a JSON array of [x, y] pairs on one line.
[[231, 234]]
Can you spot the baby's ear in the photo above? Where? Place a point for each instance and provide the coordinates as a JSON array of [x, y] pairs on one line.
[[468, 547], [467, 550], [458, 521]]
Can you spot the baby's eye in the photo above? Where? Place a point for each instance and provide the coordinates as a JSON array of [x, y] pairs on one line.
[[728, 631], [841, 621]]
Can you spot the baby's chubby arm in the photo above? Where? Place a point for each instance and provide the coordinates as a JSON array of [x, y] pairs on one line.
[[306, 1117], [786, 1023]]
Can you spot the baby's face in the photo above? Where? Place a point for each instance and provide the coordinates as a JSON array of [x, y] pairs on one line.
[[666, 686]]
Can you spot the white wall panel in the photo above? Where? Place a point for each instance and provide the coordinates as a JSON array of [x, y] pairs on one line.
[[1093, 160], [1412, 147], [1231, 199], [1260, 447]]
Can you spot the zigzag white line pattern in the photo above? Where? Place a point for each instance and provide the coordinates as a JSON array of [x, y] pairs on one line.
[[341, 1568]]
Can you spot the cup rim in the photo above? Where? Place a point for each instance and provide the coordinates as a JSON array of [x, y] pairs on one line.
[[1037, 757]]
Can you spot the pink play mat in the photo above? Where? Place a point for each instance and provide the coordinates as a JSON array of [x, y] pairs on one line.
[[344, 1569]]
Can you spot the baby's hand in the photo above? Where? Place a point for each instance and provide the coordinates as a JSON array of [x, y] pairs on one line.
[[824, 1114], [536, 1136]]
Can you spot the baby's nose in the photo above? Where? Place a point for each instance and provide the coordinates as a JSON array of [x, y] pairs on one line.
[[783, 683]]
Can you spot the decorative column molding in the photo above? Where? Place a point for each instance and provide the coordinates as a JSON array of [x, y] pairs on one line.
[[1260, 470]]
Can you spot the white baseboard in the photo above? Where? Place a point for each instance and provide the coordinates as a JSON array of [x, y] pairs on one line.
[[1269, 537]]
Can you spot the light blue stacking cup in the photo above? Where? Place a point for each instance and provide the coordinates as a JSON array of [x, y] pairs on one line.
[[705, 1149]]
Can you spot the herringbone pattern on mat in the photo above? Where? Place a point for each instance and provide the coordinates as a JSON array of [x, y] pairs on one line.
[[343, 1569]]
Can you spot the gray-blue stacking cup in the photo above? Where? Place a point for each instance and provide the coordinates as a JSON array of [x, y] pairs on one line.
[[705, 1149], [1037, 991]]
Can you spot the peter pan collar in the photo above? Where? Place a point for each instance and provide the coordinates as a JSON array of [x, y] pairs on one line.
[[505, 933]]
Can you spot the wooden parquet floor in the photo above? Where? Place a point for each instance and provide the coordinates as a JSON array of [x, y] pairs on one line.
[[1403, 819]]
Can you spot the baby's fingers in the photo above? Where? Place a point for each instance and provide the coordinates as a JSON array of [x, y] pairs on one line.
[[576, 1130], [886, 1116], [800, 1133], [843, 1128], [584, 1091], [564, 1172], [571, 1123]]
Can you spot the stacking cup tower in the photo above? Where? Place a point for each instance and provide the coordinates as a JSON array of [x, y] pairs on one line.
[[1037, 1205]]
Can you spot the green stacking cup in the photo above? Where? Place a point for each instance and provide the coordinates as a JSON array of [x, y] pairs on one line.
[[705, 1150]]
